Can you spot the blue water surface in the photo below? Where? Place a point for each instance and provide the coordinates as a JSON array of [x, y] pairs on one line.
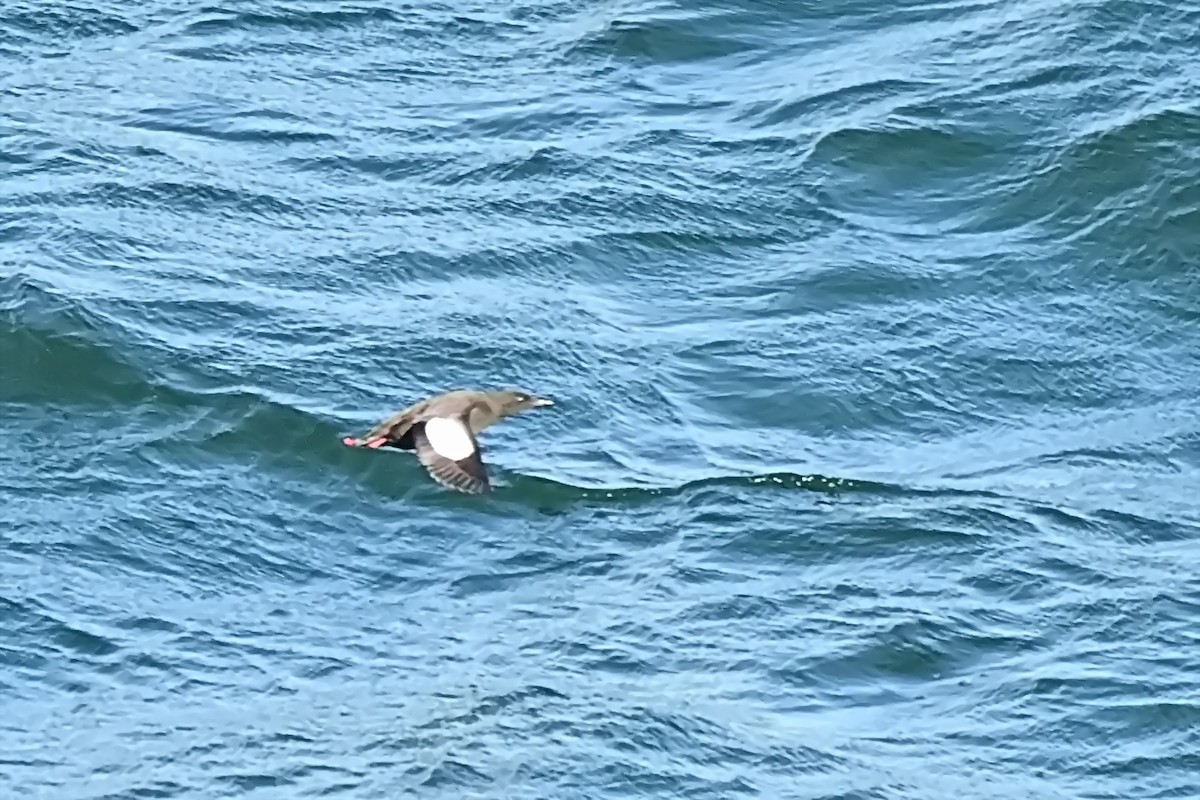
[[874, 331]]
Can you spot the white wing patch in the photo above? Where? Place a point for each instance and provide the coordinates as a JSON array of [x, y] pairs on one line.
[[449, 438]]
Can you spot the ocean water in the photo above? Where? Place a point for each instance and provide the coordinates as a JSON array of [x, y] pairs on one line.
[[874, 330]]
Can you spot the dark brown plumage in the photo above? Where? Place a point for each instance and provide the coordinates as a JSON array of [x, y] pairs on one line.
[[442, 430]]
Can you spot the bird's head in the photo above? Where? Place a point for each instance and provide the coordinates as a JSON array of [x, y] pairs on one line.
[[514, 401]]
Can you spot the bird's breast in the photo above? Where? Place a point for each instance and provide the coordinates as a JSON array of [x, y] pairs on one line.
[[480, 418]]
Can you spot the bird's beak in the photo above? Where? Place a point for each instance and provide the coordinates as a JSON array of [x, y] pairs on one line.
[[542, 402]]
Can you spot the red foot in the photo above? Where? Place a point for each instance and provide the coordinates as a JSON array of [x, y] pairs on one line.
[[378, 441]]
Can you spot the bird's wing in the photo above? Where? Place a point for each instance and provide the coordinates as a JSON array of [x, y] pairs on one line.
[[391, 429], [449, 451]]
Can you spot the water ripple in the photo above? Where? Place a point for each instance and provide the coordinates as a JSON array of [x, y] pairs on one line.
[[874, 339]]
